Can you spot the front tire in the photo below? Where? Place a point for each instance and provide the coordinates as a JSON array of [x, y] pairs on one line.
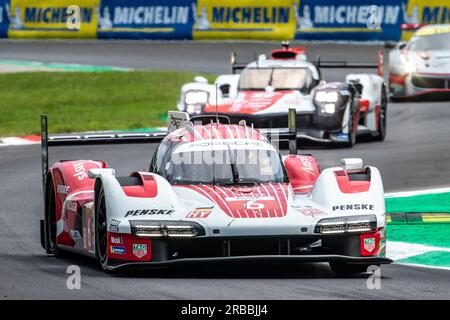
[[101, 232]]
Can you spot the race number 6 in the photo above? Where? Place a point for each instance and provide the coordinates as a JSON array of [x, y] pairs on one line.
[[253, 205]]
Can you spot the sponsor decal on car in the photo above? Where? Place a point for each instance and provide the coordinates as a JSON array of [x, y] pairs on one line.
[[62, 189], [80, 171], [249, 197], [145, 212], [357, 206], [341, 136], [116, 240], [311, 212], [75, 234], [114, 225], [300, 206], [199, 213], [71, 205], [307, 164], [139, 250], [118, 250], [369, 244]]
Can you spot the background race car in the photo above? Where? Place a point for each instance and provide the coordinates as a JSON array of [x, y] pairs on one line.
[[421, 67], [262, 93]]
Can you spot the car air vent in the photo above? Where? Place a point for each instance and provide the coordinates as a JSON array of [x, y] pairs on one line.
[[284, 55]]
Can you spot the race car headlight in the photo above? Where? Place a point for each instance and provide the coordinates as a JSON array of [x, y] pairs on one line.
[[409, 65], [326, 101], [194, 97], [148, 228], [326, 96], [194, 108], [360, 223]]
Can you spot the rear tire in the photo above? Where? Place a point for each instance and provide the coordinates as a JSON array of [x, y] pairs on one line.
[[101, 232], [347, 268], [50, 211]]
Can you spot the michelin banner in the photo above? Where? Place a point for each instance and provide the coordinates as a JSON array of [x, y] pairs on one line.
[[355, 20], [244, 19], [419, 12], [51, 18], [151, 19], [362, 20]]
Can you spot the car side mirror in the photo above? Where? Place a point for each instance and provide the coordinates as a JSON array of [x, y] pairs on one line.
[[200, 79]]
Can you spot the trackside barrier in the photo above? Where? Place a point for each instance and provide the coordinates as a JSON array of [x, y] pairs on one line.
[[362, 20]]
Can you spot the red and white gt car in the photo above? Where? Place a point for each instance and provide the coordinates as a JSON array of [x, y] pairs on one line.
[[421, 67], [266, 88], [213, 193]]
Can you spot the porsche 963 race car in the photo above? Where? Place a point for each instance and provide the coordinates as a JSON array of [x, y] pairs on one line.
[[214, 192]]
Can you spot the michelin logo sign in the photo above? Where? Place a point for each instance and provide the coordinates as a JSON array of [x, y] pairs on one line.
[[156, 19], [243, 19], [49, 19], [348, 19]]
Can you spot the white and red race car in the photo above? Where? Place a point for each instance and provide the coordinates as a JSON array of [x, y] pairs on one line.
[[266, 88], [214, 193], [420, 68]]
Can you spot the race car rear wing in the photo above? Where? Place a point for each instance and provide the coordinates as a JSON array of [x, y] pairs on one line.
[[237, 66], [89, 139], [83, 139]]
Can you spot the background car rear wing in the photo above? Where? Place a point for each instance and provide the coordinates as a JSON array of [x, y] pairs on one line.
[[344, 65], [238, 66]]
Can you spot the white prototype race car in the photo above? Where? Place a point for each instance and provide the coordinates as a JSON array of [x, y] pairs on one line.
[[214, 192], [262, 93]]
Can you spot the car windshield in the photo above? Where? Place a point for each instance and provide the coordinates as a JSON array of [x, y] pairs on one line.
[[223, 165], [439, 41], [277, 78]]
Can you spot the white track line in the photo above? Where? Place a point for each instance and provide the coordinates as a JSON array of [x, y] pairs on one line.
[[402, 250], [13, 141], [401, 194], [422, 266]]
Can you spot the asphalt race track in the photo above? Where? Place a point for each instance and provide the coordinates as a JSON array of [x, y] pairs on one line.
[[415, 155]]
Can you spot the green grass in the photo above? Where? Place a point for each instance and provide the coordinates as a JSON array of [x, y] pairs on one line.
[[438, 202], [87, 101], [433, 258], [428, 234]]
